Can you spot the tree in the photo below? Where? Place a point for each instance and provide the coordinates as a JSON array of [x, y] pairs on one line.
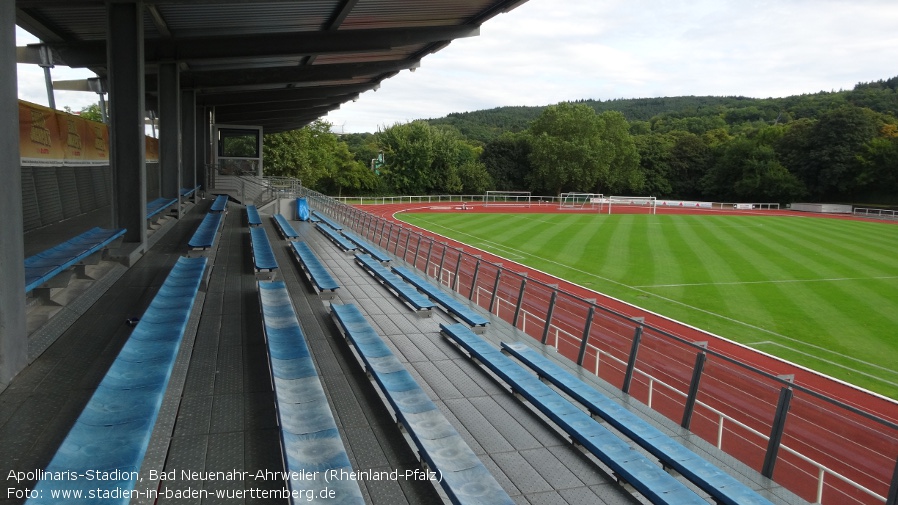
[[574, 148], [91, 112], [409, 154], [825, 154], [353, 176], [747, 169], [507, 160], [475, 179], [307, 154]]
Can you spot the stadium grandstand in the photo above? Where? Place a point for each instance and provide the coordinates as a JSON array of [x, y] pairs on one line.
[[177, 327]]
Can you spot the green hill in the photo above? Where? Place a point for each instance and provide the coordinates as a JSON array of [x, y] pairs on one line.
[[880, 96]]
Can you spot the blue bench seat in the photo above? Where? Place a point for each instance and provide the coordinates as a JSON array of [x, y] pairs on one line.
[[47, 264], [367, 247], [335, 237], [158, 205], [285, 227], [464, 477], [317, 273], [719, 484], [252, 216], [324, 219], [645, 476], [113, 431], [453, 306], [310, 439], [263, 255], [403, 290], [188, 192], [220, 204], [206, 233]]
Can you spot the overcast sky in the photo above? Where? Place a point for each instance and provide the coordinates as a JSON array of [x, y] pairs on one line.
[[547, 51]]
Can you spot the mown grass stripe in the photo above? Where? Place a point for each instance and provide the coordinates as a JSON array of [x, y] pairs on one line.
[[803, 284]]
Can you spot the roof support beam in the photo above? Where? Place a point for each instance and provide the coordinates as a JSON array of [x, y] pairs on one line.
[[287, 75], [254, 117], [279, 95], [93, 53], [283, 106]]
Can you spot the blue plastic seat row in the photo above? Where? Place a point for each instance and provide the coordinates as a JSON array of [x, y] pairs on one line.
[[335, 237], [367, 247], [464, 477], [158, 205], [188, 192], [719, 484], [316, 271], [252, 216], [206, 233], [645, 476], [436, 294], [220, 204], [326, 220], [47, 264], [309, 436], [263, 255], [403, 290], [113, 431], [285, 227]]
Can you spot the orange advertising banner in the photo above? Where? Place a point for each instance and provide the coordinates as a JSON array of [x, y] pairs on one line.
[[39, 141], [152, 150], [53, 138]]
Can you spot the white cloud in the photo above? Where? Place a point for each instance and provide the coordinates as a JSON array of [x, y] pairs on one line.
[[546, 51]]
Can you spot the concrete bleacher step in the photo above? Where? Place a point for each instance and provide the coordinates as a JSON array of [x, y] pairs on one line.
[[113, 431], [403, 290], [310, 441], [646, 477], [463, 476], [714, 481]]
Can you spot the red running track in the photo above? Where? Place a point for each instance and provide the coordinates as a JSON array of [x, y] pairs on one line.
[[848, 443], [844, 392]]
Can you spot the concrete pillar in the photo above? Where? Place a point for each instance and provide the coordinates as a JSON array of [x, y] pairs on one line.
[[204, 145], [188, 138], [13, 340], [124, 31], [170, 129]]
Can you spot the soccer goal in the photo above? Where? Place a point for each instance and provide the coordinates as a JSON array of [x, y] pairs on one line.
[[578, 201], [507, 199], [631, 204]]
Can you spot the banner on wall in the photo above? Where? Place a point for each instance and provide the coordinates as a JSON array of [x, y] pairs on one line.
[[152, 150], [39, 143], [49, 137]]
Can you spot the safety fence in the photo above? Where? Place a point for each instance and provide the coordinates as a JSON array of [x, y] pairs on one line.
[[875, 213], [536, 200], [821, 449]]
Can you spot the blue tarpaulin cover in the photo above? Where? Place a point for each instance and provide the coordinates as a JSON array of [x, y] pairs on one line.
[[302, 209]]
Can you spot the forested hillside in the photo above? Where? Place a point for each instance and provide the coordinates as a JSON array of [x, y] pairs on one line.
[[880, 96], [838, 146]]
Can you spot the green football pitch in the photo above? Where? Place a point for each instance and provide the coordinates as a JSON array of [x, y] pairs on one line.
[[819, 292]]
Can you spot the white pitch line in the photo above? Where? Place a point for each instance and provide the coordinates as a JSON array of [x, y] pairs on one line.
[[836, 364], [818, 349], [677, 302], [781, 281]]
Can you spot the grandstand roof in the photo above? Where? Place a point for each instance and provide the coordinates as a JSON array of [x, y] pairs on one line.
[[280, 63]]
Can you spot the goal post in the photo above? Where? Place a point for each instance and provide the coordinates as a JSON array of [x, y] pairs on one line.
[[576, 201], [630, 204], [507, 199]]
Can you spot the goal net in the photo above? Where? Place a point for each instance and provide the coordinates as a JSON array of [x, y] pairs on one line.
[[631, 204], [507, 199], [576, 201]]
